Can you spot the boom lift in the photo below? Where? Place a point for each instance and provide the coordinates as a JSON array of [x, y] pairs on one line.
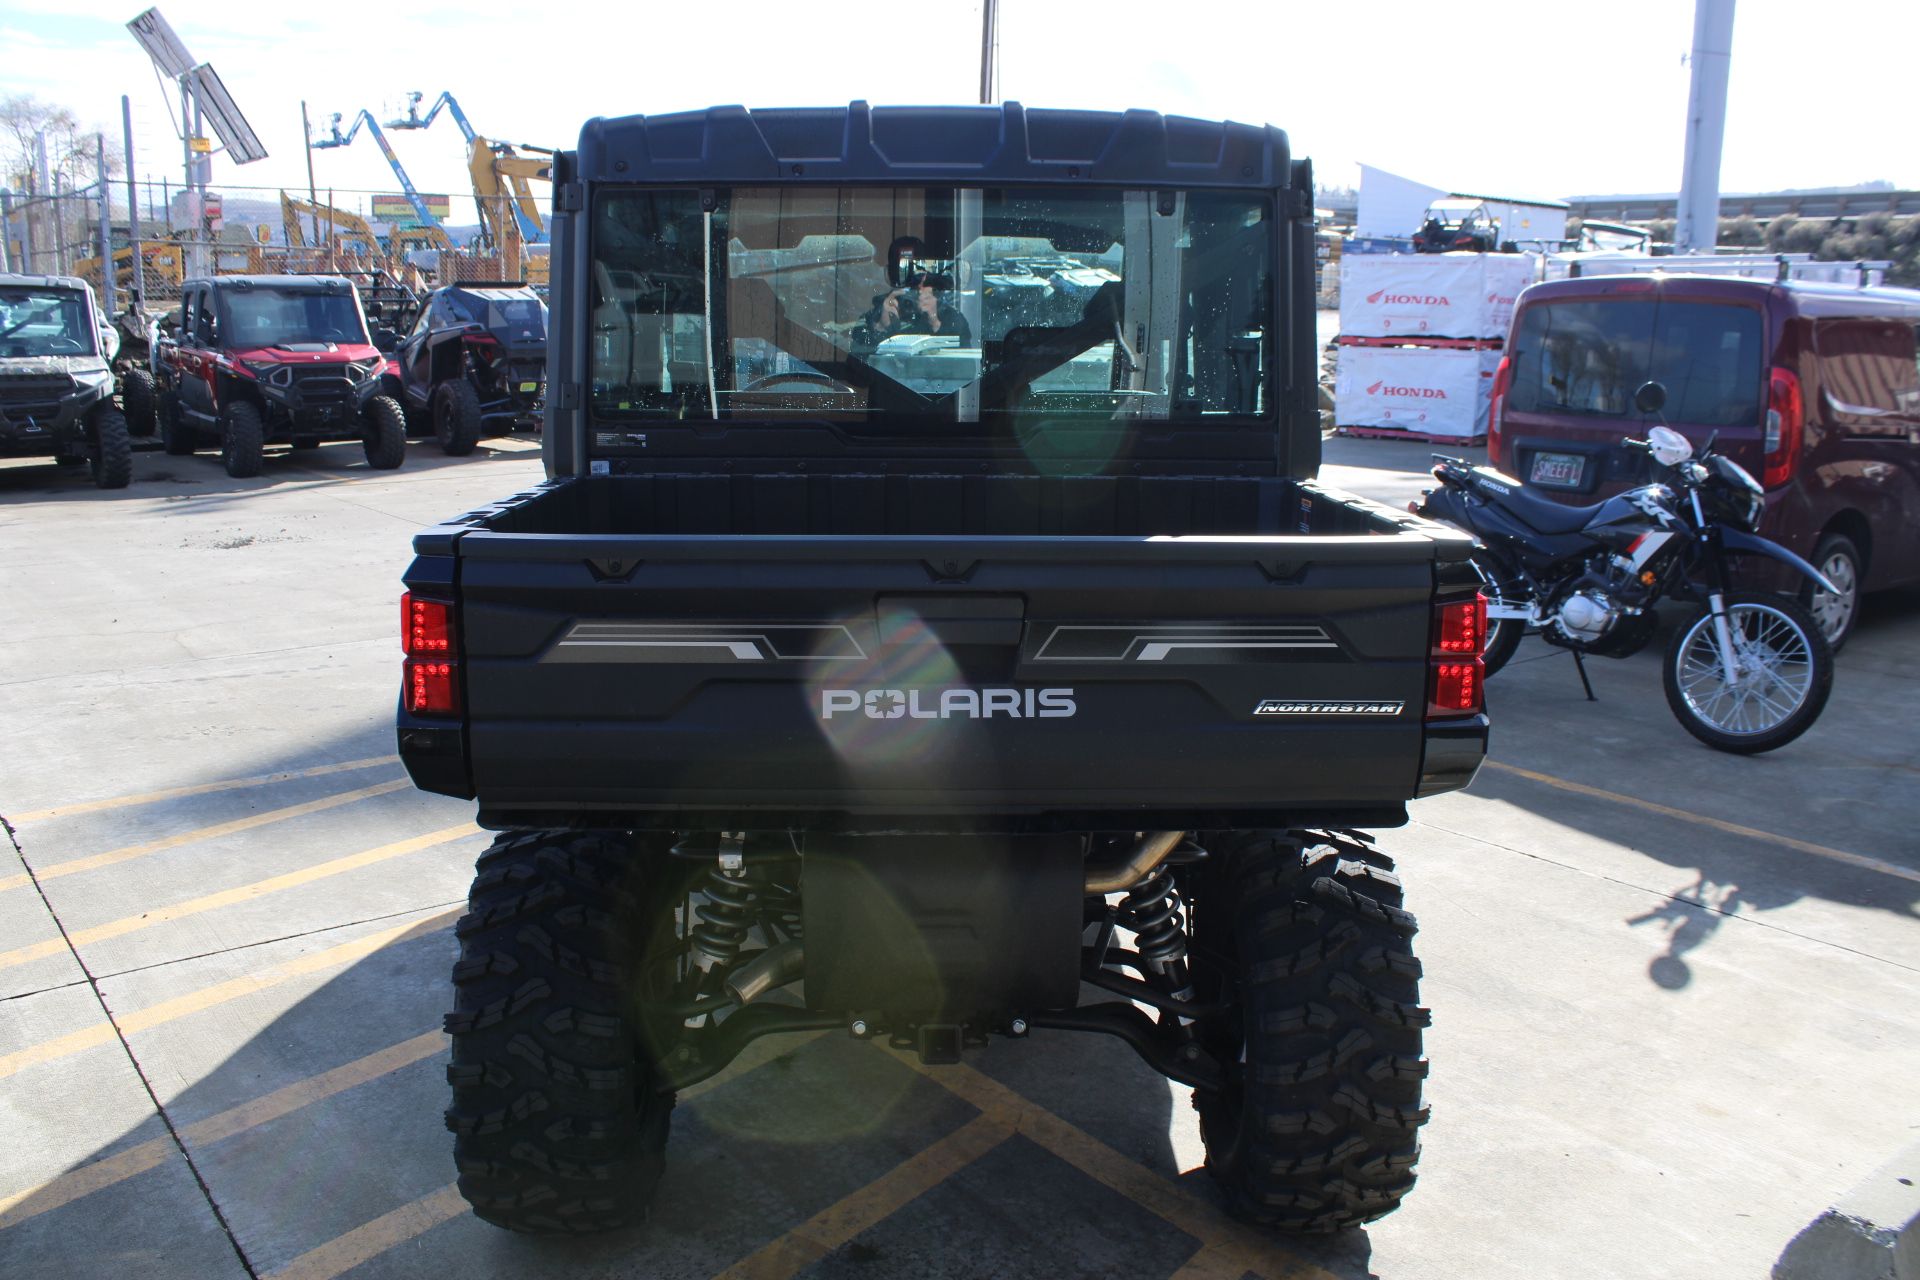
[[495, 166], [338, 139]]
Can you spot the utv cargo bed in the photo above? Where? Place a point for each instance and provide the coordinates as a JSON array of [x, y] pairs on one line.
[[1122, 652]]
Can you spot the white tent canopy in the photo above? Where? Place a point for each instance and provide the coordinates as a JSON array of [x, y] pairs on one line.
[[1392, 205]]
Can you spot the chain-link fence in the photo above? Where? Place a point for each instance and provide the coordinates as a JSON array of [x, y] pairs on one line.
[[225, 230]]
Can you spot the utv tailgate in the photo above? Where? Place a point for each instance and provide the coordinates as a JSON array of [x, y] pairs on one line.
[[663, 679]]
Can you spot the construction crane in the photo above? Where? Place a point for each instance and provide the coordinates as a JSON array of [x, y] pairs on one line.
[[500, 173], [338, 139]]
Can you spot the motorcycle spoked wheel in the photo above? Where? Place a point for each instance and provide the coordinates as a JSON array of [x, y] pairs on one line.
[[1784, 672], [1503, 634]]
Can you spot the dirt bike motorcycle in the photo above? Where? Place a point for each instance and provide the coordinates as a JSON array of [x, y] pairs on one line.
[[1750, 674]]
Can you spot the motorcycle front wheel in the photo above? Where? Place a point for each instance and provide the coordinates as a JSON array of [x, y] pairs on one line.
[[1783, 672]]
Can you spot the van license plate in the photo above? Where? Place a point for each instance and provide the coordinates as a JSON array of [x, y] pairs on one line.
[[1559, 469]]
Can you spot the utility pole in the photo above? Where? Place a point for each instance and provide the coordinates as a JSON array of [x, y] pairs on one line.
[[1698, 229], [46, 188], [139, 298], [313, 197], [990, 50], [194, 267], [6, 231], [106, 226]]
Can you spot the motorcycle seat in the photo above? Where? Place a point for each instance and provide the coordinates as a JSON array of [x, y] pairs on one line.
[[1545, 515]]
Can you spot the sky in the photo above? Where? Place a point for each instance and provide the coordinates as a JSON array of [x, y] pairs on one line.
[[1537, 98]]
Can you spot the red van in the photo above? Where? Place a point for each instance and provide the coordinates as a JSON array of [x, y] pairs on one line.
[[1814, 389]]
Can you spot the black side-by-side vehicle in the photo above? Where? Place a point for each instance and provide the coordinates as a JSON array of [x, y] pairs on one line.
[[896, 650], [474, 363]]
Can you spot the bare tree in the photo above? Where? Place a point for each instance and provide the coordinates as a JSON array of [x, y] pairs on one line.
[[72, 151]]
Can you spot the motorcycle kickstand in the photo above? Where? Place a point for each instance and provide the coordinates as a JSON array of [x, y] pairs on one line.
[[1580, 665]]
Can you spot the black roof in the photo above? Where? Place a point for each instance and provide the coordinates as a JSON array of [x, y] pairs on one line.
[[305, 284], [1004, 144]]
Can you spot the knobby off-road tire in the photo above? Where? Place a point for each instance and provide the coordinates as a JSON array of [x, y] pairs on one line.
[[176, 437], [385, 424], [136, 399], [456, 417], [1317, 1128], [557, 1127], [243, 440], [111, 455]]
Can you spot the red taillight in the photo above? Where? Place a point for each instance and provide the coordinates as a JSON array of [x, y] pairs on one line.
[[1502, 379], [1461, 630], [431, 679], [1786, 428], [430, 688], [1456, 688], [426, 626], [1456, 677]]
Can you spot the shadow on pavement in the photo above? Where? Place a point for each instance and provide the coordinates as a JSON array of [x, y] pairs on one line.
[[1827, 790], [158, 475], [326, 1121]]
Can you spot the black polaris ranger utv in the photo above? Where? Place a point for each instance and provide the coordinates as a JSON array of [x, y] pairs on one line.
[[898, 651]]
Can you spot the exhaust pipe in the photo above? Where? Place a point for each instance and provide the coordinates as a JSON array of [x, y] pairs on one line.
[[1148, 852]]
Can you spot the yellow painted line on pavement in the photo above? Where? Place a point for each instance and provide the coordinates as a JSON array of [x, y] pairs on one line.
[[1842, 856], [192, 1002], [369, 1241], [200, 789], [872, 1204], [132, 851], [389, 1230], [1212, 1263], [229, 897], [1227, 1247], [117, 1168]]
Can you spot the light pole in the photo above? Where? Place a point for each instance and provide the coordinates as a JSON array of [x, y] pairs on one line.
[[1698, 228]]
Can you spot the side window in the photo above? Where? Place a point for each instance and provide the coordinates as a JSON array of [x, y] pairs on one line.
[[206, 327], [1870, 375]]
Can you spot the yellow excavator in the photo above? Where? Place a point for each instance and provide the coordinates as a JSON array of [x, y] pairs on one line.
[[349, 231], [163, 265], [509, 211]]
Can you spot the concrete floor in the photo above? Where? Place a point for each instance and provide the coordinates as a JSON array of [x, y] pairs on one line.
[[1674, 992]]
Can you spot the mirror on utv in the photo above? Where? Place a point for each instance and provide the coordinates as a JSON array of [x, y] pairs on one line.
[[1669, 447], [1650, 398]]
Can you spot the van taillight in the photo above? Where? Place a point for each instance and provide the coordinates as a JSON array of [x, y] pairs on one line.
[[1786, 428], [1502, 379], [1456, 675], [431, 676]]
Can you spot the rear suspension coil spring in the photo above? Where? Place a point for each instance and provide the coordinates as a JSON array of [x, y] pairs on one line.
[[780, 904], [726, 915], [1152, 912]]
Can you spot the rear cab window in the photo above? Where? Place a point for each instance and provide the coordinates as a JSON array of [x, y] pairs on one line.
[[926, 308], [1587, 356]]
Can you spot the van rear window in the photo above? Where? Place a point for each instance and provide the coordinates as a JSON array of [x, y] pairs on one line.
[[1589, 355]]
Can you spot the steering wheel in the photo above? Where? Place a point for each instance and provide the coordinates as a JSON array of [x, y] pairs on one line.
[[768, 381]]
